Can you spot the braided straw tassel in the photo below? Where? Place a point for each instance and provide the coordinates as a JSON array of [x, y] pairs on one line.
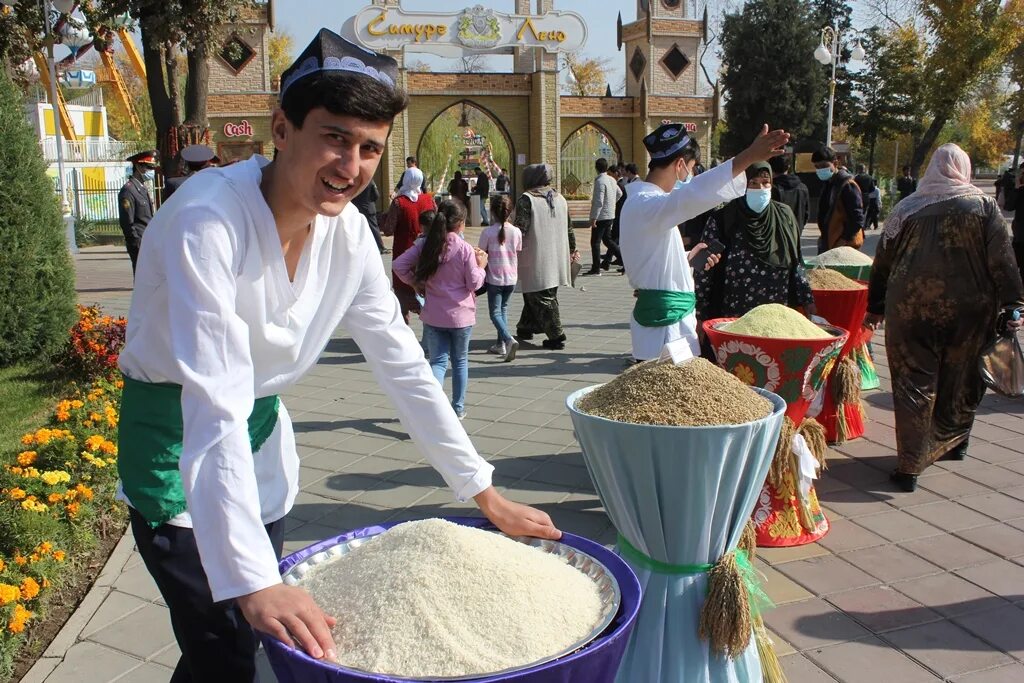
[[782, 463], [845, 390], [725, 620]]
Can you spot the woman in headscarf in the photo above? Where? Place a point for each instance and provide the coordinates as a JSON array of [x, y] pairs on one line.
[[411, 203], [761, 263], [548, 245], [944, 280]]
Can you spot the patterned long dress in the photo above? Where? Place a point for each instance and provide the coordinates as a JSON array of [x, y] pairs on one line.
[[407, 229], [746, 281], [941, 283]]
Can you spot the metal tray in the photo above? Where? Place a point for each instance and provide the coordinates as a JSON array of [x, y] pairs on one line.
[[607, 586]]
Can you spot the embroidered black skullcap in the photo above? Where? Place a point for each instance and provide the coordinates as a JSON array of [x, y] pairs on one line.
[[330, 52], [667, 140]]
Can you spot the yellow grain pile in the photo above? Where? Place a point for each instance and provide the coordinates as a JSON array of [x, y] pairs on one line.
[[694, 394], [824, 278], [775, 321]]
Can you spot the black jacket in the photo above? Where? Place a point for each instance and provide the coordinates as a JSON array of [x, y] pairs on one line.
[[839, 189], [483, 185], [866, 183], [135, 209], [366, 201], [792, 192], [906, 186]]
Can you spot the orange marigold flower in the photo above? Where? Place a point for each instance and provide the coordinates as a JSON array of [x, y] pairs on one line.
[[26, 458], [16, 470], [54, 498], [72, 509], [3, 565], [18, 619], [33, 558], [43, 436], [28, 439], [119, 384], [94, 442], [17, 493], [46, 582], [44, 547], [108, 447], [58, 555], [88, 424], [31, 473], [29, 588], [84, 490], [76, 404], [9, 593], [20, 559]]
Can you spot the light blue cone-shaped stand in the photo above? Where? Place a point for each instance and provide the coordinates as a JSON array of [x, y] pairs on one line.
[[680, 495]]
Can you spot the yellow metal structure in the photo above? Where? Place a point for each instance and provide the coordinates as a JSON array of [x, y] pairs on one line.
[[114, 76], [66, 125], [133, 54]]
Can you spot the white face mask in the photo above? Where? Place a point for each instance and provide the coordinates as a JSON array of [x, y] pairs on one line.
[[685, 181], [758, 200], [149, 174]]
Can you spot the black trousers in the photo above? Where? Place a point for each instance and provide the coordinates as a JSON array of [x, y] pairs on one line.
[[217, 644], [371, 220], [602, 233], [614, 237]]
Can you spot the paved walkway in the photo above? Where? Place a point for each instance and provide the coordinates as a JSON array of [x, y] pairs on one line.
[[906, 588]]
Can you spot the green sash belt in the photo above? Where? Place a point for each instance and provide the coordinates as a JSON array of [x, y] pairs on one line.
[[660, 307], [759, 600], [150, 434]]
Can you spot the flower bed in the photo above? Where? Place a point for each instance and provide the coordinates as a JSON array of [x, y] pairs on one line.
[[57, 485]]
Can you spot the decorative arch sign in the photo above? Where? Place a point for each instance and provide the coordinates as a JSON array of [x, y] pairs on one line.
[[476, 28]]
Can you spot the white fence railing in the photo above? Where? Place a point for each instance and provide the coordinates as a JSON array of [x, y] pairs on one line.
[[94, 149]]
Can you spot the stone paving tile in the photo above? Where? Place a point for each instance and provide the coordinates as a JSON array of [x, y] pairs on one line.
[[799, 669], [847, 535], [995, 505], [949, 594], [147, 673], [946, 648], [123, 634], [882, 608], [88, 661], [950, 515], [117, 606], [1001, 577], [827, 574], [1014, 673], [1001, 539], [949, 552], [890, 563], [1002, 627], [813, 623], [869, 661], [897, 526]]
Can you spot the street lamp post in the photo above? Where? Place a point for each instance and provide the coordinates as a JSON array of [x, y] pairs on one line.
[[47, 5], [830, 35]]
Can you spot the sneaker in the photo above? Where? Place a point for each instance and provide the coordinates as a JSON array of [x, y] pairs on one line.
[[497, 349], [510, 355], [461, 414]]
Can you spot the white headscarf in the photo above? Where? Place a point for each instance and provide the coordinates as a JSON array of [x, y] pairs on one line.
[[948, 177], [412, 179]]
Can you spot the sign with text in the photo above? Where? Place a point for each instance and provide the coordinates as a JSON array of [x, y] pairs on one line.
[[478, 29], [237, 130]]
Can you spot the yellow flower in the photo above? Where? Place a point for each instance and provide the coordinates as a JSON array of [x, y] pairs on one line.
[[29, 588], [26, 458], [15, 470], [31, 473], [34, 506], [28, 439], [44, 547], [18, 619], [17, 493], [3, 565], [54, 477], [43, 436], [33, 558], [88, 424], [58, 555], [76, 404], [9, 593], [94, 442]]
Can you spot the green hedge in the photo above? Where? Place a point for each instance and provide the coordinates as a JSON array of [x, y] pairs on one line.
[[37, 280]]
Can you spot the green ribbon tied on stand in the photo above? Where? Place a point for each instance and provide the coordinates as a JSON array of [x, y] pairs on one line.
[[660, 307], [733, 607]]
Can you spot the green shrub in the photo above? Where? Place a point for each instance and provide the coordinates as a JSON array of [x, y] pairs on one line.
[[37, 282]]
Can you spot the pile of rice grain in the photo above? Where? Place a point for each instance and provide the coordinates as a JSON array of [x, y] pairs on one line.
[[694, 394], [841, 256], [824, 278], [775, 321], [435, 599]]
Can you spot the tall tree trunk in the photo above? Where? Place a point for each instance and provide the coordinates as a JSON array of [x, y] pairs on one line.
[[156, 86], [1019, 129], [924, 145], [196, 127]]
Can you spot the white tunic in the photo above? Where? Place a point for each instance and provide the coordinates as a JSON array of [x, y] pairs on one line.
[[652, 248], [213, 310]]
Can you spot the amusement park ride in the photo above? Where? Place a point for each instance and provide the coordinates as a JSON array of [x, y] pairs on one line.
[[70, 29]]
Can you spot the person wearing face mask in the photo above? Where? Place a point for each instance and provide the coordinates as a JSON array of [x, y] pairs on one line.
[[761, 263], [840, 206], [657, 264], [135, 206]]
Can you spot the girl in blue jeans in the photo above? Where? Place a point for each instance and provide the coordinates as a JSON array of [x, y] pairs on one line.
[[502, 241], [447, 270]]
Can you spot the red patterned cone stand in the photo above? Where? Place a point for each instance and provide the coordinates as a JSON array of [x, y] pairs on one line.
[[861, 351], [842, 414], [795, 369]]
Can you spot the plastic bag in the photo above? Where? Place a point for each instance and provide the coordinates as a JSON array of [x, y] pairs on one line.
[[1002, 366]]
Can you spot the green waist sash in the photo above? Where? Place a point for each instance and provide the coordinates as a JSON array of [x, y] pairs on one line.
[[150, 433], [660, 307]]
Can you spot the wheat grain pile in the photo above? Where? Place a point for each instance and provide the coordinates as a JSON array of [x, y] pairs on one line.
[[823, 278], [841, 256], [775, 321], [434, 599], [695, 393]]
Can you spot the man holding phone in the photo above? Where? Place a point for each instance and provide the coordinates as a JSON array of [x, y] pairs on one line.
[[658, 266]]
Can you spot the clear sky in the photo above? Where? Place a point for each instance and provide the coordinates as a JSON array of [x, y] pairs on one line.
[[303, 18]]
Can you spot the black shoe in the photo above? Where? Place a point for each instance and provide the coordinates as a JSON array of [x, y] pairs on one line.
[[524, 336], [958, 453], [593, 271], [617, 262], [621, 271], [554, 344], [907, 482], [605, 265]]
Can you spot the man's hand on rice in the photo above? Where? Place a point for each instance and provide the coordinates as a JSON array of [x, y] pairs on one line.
[[289, 614]]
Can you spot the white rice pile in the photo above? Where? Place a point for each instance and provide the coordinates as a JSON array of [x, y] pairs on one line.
[[841, 256], [433, 599]]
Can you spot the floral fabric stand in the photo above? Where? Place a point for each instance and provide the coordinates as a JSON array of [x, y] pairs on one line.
[[788, 512]]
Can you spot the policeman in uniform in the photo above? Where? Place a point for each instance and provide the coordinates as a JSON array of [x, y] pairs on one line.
[[135, 207], [195, 158]]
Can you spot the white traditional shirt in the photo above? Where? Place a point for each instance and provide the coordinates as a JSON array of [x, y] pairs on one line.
[[652, 248], [214, 311]]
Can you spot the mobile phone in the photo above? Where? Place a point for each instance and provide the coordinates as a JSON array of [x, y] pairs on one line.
[[701, 259]]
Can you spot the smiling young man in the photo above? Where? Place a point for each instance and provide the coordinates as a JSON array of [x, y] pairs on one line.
[[246, 277]]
